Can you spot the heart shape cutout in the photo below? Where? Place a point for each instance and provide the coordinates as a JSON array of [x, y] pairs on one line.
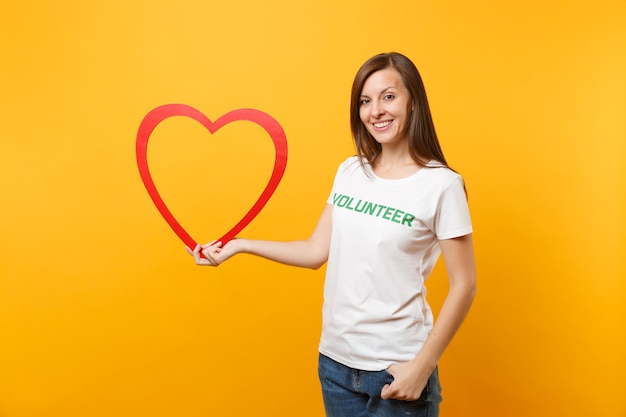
[[157, 115]]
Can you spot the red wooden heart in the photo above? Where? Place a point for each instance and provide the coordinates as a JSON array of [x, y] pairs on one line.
[[156, 116]]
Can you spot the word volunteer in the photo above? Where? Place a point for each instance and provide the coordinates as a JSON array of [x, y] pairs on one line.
[[378, 210]]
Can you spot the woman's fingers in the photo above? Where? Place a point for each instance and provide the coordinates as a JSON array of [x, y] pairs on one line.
[[211, 252], [197, 257], [207, 254]]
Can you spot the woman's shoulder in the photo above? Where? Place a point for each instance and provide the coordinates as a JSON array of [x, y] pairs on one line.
[[349, 163], [354, 159], [440, 172]]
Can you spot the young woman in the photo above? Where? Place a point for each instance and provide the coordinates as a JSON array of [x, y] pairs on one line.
[[393, 209]]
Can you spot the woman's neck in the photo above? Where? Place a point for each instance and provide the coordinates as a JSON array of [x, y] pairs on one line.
[[394, 163]]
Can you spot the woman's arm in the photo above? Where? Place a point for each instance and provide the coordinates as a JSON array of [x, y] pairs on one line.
[[411, 377], [309, 253]]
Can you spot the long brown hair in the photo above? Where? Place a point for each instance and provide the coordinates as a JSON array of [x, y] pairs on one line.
[[421, 134]]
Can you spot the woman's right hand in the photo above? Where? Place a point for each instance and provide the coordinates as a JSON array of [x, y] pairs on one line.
[[213, 253]]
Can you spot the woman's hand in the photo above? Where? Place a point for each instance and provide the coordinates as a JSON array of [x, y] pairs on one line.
[[409, 380], [210, 258], [213, 253]]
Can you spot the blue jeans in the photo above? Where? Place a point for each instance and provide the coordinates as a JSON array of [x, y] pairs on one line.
[[350, 392]]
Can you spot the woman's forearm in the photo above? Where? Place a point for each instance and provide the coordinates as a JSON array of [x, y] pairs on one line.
[[458, 255], [307, 253], [451, 316], [302, 253]]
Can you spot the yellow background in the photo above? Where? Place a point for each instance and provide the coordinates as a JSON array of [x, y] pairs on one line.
[[102, 313]]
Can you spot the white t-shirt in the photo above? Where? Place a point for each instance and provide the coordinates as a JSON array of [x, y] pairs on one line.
[[384, 244]]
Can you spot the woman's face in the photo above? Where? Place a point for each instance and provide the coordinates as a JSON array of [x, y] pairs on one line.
[[385, 106]]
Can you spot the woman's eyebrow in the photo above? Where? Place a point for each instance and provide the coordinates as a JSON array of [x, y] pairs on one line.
[[384, 90]]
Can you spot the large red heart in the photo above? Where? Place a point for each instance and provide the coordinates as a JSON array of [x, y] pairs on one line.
[[156, 116]]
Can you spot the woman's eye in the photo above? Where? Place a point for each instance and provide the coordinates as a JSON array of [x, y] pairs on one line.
[[388, 96], [364, 101]]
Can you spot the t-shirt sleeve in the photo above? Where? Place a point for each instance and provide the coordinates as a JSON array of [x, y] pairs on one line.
[[332, 190], [453, 217], [342, 167]]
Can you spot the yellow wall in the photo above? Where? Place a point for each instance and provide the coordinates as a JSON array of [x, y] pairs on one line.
[[102, 313]]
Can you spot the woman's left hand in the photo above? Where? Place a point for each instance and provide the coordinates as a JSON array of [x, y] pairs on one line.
[[409, 380]]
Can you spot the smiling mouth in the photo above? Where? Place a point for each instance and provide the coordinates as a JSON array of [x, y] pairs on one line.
[[381, 125]]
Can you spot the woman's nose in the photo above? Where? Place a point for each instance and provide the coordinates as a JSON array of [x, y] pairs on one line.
[[377, 108]]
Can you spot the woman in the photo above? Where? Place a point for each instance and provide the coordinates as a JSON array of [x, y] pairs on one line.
[[393, 208]]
